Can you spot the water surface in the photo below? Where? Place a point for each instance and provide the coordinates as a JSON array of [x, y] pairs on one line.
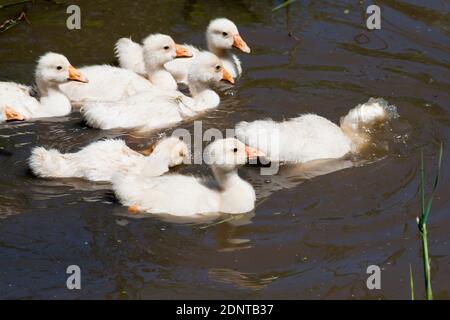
[[306, 239]]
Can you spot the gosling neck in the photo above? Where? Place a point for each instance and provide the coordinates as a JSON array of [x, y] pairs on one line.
[[44, 87], [159, 76], [53, 102], [219, 52], [157, 163], [204, 97], [161, 154], [226, 178], [237, 195]]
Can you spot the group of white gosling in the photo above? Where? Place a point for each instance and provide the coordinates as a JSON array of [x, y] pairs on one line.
[[143, 93]]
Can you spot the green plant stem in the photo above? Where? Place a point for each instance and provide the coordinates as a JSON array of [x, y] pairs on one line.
[[284, 4], [411, 281], [421, 185], [426, 262]]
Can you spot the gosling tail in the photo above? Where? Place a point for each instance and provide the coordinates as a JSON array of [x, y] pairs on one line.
[[360, 120], [130, 55], [51, 163]]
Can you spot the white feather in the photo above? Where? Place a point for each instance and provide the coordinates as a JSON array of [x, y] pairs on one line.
[[100, 160], [154, 110], [130, 55], [106, 83], [189, 196], [51, 69], [300, 139], [312, 137]]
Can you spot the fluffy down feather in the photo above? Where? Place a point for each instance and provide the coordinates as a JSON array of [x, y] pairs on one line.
[[100, 160], [312, 137]]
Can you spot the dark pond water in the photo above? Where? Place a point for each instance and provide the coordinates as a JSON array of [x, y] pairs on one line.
[[307, 239]]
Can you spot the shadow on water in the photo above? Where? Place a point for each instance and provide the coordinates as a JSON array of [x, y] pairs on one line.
[[313, 232]]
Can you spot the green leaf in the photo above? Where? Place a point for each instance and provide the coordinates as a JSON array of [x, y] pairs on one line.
[[284, 4], [433, 192], [422, 190], [411, 282]]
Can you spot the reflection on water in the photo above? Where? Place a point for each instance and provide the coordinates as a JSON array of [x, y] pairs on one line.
[[240, 279], [316, 227]]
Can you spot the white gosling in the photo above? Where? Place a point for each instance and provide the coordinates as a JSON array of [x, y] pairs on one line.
[[108, 83], [149, 111], [312, 137], [100, 160], [181, 195], [221, 35], [148, 60], [17, 103]]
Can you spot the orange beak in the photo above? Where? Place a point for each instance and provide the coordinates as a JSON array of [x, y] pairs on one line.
[[12, 115], [227, 76], [240, 44], [253, 153], [182, 52], [75, 75], [134, 209]]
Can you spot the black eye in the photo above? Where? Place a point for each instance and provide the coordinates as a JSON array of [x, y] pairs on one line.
[[217, 67], [235, 150], [59, 67], [225, 34], [166, 48]]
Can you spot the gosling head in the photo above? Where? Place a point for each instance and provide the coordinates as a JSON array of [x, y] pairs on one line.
[[54, 68], [160, 48], [222, 33], [207, 69], [176, 149], [228, 154]]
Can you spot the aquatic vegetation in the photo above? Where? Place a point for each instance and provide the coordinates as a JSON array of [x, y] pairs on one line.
[[314, 228], [422, 224], [411, 282], [10, 23], [284, 4]]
